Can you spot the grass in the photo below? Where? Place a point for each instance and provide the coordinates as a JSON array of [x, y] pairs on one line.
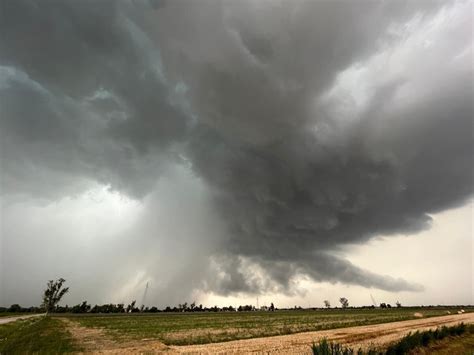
[[457, 339], [329, 348], [461, 345], [42, 335], [424, 339], [201, 328]]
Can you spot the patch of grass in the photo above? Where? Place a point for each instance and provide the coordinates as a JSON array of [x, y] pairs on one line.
[[462, 345], [202, 328], [427, 342], [423, 339], [329, 348], [43, 335]]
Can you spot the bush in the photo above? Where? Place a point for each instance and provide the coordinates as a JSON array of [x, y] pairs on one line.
[[329, 348], [417, 339], [407, 343]]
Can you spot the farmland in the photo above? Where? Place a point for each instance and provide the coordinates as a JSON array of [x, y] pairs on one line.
[[283, 331], [201, 328]]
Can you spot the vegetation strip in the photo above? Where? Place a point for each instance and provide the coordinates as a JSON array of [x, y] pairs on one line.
[[403, 346], [42, 335]]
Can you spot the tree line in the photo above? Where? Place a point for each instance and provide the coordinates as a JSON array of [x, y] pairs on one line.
[[55, 291]]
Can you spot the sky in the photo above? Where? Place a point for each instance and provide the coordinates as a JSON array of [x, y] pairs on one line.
[[221, 151]]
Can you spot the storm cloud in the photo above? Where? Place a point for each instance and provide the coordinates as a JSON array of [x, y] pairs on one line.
[[295, 128]]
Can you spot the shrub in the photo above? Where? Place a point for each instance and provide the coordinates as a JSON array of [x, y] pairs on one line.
[[417, 339], [329, 348], [407, 343]]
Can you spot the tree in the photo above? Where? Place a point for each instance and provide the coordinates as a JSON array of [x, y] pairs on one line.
[[398, 304], [344, 302], [131, 307], [53, 294], [15, 308], [327, 304]]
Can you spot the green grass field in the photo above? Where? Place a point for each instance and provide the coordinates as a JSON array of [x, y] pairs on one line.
[[200, 328], [42, 335]]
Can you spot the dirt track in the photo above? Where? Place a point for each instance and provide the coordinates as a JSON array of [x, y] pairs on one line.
[[362, 336], [5, 320]]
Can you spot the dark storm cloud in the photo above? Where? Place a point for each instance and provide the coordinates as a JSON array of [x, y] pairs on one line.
[[82, 88], [246, 94]]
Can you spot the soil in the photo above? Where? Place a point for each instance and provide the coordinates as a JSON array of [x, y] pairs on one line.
[[96, 341]]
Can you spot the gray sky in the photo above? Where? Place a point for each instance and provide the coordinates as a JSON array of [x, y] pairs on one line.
[[294, 150]]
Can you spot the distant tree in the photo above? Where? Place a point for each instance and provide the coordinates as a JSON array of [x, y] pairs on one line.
[[53, 294], [272, 307], [383, 305], [131, 307], [398, 304], [15, 308], [327, 304], [81, 308], [344, 302]]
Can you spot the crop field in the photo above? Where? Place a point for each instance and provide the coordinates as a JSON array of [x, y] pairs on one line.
[[223, 332], [202, 328]]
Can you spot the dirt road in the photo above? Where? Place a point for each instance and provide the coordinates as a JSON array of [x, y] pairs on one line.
[[362, 336], [5, 320]]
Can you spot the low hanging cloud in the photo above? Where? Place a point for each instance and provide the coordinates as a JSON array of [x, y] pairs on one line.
[[307, 126]]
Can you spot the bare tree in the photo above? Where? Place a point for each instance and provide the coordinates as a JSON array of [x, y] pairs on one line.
[[344, 302], [53, 294], [327, 304]]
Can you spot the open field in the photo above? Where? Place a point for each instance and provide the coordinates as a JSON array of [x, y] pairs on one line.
[[376, 336], [96, 339], [202, 328], [256, 332]]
